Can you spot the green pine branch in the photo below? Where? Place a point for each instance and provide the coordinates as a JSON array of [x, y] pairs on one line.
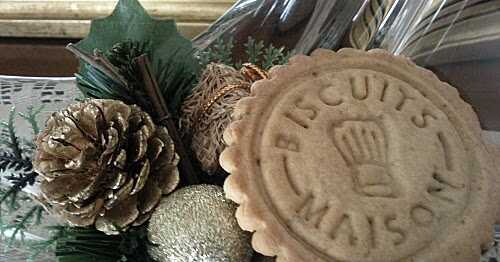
[[254, 50], [8, 198], [14, 160], [18, 182], [39, 247], [220, 52], [256, 53], [17, 229], [31, 116], [18, 163], [75, 244], [274, 56], [8, 136], [9, 161], [223, 51], [85, 244]]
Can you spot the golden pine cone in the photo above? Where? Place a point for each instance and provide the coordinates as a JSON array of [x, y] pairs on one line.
[[105, 163]]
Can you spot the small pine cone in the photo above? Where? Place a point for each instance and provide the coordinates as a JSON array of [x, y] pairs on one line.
[[105, 163], [207, 112]]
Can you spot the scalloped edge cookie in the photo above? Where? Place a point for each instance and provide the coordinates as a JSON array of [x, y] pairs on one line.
[[271, 238]]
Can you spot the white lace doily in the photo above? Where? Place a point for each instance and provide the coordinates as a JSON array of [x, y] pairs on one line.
[[22, 92]]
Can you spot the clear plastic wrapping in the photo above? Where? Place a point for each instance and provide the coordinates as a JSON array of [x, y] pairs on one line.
[[457, 39], [301, 25]]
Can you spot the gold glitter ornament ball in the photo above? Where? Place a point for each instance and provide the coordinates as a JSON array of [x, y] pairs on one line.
[[197, 223]]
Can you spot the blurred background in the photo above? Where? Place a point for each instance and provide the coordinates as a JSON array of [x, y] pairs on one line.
[[33, 34]]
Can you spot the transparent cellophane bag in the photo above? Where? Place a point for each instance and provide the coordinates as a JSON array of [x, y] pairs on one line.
[[459, 40]]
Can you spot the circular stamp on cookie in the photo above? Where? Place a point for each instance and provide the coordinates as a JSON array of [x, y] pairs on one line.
[[356, 159]]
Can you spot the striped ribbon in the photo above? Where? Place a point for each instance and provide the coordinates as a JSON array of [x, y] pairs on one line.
[[368, 21]]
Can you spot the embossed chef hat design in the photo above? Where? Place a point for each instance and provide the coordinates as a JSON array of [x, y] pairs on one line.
[[363, 146]]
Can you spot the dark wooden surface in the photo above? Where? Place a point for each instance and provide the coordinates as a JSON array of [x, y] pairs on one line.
[[36, 57]]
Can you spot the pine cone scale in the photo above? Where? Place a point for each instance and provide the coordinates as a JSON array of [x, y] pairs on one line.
[[87, 211], [141, 178], [140, 146], [150, 196], [141, 219], [168, 183], [85, 122], [120, 159], [79, 195], [156, 147], [82, 221], [114, 197], [119, 181], [120, 216], [111, 141], [59, 187]]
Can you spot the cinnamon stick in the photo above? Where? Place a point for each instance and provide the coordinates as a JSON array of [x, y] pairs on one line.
[[165, 118]]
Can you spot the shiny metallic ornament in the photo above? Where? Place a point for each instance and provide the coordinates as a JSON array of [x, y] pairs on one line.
[[197, 223]]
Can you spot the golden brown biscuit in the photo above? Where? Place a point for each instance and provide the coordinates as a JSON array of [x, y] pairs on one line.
[[359, 156]]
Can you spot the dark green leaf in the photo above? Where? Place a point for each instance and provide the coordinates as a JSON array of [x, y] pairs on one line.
[[129, 21], [166, 48]]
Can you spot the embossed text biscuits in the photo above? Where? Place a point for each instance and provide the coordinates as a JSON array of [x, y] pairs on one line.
[[356, 156]]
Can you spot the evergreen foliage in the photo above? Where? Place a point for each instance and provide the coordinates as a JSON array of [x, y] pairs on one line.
[[16, 164], [256, 52]]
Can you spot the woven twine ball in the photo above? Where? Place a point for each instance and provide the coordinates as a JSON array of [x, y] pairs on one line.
[[197, 223], [207, 112]]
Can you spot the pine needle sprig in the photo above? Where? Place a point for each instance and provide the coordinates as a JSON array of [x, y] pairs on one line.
[[254, 50], [274, 56], [283, 59], [220, 52], [223, 51], [9, 161], [38, 247], [74, 244], [122, 54], [22, 180], [8, 136], [13, 159], [17, 229], [87, 244], [31, 116], [95, 84], [84, 244], [8, 197], [18, 182]]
